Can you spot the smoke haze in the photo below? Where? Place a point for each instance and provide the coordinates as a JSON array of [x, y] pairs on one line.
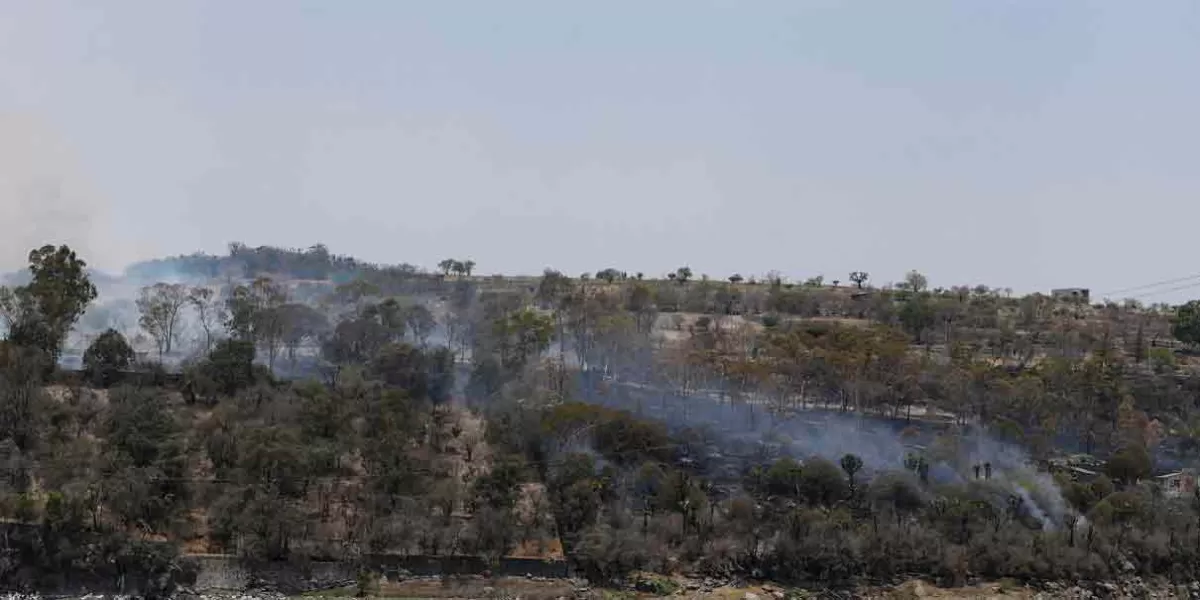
[[44, 198]]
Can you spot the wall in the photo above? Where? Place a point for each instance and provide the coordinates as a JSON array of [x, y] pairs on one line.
[[226, 572]]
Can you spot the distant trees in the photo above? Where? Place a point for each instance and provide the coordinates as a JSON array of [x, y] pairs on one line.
[[552, 288], [458, 267], [915, 282], [300, 324], [609, 275], [160, 306], [210, 313], [683, 274], [859, 278], [254, 315]]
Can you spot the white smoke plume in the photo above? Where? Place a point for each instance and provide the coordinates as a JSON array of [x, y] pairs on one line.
[[45, 199]]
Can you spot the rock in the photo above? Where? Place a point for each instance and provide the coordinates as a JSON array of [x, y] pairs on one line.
[[750, 596]]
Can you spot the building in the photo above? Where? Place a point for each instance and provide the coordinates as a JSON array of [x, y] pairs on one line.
[[1074, 294], [1178, 483]]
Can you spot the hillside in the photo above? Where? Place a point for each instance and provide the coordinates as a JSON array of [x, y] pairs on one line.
[[809, 434]]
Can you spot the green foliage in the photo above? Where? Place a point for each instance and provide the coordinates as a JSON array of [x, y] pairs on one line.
[[1185, 325], [609, 275], [822, 483], [229, 367], [377, 454], [107, 356], [617, 435], [1129, 465], [1162, 360], [253, 311], [657, 585], [917, 315], [41, 313], [851, 464], [576, 492]]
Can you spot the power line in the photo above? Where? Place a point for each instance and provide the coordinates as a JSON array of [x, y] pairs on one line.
[[1152, 285], [1166, 291]]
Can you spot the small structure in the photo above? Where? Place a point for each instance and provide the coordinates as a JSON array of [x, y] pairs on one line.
[[1178, 483], [1077, 467], [1083, 295]]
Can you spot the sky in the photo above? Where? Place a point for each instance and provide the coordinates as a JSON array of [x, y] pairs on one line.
[[1022, 144]]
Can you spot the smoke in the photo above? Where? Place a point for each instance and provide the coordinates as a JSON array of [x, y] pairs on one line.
[[44, 199], [738, 435]]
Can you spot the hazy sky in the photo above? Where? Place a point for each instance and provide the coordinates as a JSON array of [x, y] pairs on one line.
[[1026, 144]]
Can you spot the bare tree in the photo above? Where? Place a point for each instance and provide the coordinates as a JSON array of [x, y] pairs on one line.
[[210, 313]]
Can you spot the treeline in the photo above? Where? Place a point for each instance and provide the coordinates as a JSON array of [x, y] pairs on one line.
[[316, 262]]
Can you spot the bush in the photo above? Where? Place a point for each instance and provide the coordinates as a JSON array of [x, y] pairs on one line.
[[106, 358]]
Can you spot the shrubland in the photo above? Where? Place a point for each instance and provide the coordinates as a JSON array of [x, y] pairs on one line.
[[817, 434]]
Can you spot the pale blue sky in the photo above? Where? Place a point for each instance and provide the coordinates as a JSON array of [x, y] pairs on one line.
[[1025, 144]]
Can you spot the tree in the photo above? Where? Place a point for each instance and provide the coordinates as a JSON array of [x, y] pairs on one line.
[[210, 313], [608, 275], [821, 482], [915, 282], [1185, 325], [301, 324], [851, 464], [358, 338], [41, 314], [160, 306], [468, 266], [917, 315], [520, 337], [1129, 465], [859, 278], [420, 322], [736, 278], [106, 357], [446, 266], [784, 478], [142, 435], [230, 365], [254, 316], [552, 288], [683, 274]]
